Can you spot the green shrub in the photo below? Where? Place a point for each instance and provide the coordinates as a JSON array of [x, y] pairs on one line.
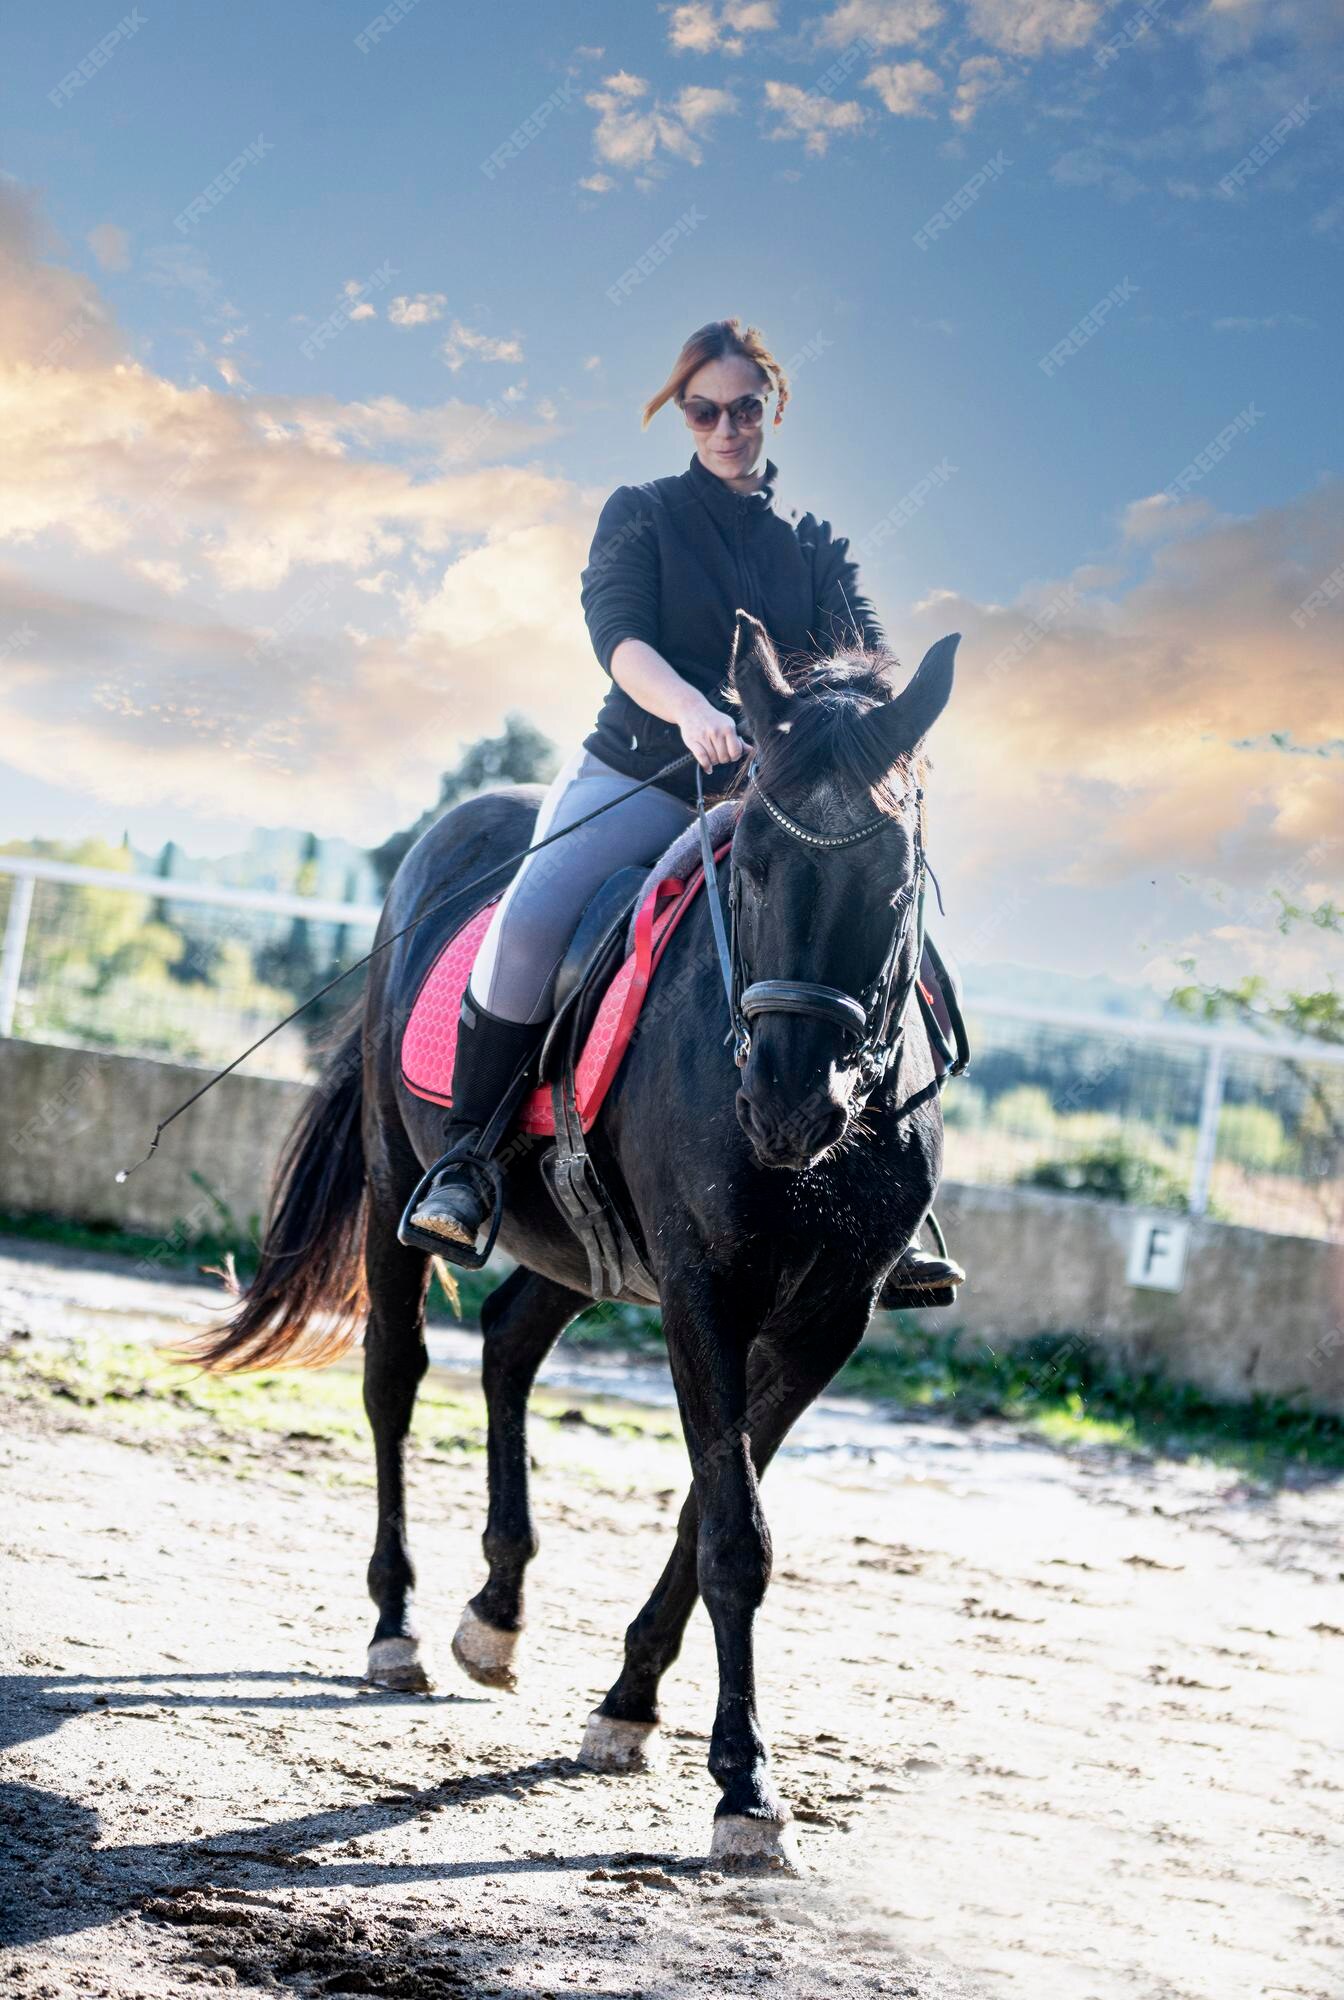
[[1111, 1172], [1026, 1110], [1253, 1136]]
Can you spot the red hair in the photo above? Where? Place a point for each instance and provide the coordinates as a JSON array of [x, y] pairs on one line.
[[711, 343]]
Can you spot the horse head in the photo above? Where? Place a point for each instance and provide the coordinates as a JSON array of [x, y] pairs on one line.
[[827, 863]]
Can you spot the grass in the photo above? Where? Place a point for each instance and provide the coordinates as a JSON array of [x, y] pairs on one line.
[[1069, 1391], [1062, 1388]]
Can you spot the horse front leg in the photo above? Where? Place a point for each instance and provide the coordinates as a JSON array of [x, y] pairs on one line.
[[782, 1382], [521, 1320], [709, 1330]]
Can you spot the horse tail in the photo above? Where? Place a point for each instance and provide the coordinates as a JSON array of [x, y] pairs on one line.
[[307, 1302]]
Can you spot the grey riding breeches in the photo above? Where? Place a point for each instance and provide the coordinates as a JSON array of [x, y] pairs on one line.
[[520, 954]]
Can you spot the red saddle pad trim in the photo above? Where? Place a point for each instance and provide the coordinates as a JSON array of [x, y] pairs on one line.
[[429, 1041]]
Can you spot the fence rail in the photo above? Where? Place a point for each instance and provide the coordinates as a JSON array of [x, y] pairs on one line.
[[1156, 1113]]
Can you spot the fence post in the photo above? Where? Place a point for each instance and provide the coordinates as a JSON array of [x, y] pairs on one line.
[[11, 953], [1206, 1139]]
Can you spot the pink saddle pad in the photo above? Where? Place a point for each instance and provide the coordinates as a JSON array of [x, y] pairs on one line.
[[430, 1040]]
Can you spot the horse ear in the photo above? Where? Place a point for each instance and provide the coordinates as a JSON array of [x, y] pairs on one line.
[[904, 722], [754, 675]]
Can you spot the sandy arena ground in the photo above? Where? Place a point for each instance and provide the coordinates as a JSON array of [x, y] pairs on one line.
[[1052, 1724]]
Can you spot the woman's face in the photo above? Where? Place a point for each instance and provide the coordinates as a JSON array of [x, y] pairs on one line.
[[727, 451]]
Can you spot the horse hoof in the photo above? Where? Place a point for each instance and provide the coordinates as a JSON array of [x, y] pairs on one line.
[[745, 1843], [396, 1664], [485, 1652], [611, 1745]]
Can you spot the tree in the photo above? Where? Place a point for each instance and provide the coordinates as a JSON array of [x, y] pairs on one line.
[[522, 755]]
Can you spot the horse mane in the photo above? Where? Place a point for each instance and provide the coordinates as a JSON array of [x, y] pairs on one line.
[[825, 739]]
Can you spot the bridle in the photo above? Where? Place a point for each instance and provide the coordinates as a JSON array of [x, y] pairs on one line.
[[876, 1019]]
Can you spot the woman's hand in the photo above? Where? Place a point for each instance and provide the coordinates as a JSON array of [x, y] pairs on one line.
[[708, 733]]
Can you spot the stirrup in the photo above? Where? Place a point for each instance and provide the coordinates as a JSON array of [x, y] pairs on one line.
[[490, 1185]]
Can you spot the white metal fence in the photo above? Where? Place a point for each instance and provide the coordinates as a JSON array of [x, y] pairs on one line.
[[1154, 1113]]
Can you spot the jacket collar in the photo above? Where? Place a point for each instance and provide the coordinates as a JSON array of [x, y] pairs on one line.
[[721, 500]]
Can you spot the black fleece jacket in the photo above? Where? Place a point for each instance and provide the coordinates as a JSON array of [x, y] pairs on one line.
[[671, 562]]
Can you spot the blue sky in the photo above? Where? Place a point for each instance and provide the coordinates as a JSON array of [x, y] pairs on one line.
[[1078, 154]]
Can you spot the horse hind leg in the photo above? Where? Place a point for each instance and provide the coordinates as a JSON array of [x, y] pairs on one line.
[[394, 1363], [521, 1321]]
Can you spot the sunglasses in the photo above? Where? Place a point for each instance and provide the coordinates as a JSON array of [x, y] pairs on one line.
[[747, 413]]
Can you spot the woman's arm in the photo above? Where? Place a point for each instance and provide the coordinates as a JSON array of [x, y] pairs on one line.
[[649, 679], [620, 598]]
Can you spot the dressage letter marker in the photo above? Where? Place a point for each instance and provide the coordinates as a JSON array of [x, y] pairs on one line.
[[1157, 1253]]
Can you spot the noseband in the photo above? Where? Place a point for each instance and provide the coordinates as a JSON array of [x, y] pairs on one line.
[[876, 1019]]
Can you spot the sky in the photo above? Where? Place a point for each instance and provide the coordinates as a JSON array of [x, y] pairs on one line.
[[324, 334]]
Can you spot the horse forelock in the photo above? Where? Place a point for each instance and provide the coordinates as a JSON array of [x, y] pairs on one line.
[[826, 754]]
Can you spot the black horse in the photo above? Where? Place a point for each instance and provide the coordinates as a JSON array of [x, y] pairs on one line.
[[773, 1198]]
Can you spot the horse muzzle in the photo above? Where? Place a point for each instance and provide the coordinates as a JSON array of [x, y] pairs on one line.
[[794, 1137]]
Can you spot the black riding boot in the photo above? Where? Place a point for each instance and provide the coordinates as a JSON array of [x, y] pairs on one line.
[[492, 1059], [919, 1278]]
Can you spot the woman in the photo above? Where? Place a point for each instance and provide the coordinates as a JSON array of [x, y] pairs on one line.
[[670, 564]]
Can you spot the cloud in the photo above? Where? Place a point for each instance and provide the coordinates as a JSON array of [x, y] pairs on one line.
[[886, 24], [1087, 166], [1147, 717], [169, 577], [979, 79], [1159, 518], [463, 344], [810, 116], [905, 88], [420, 310], [698, 28], [1030, 27], [631, 134], [111, 246], [290, 515]]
